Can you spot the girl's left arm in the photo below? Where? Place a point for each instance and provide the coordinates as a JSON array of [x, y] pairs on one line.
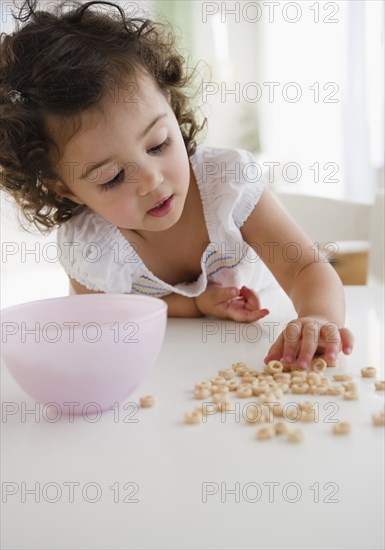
[[308, 279]]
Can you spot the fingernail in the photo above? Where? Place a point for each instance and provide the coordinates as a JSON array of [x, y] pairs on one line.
[[288, 359], [348, 350]]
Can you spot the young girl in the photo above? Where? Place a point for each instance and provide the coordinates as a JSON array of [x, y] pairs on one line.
[[97, 137]]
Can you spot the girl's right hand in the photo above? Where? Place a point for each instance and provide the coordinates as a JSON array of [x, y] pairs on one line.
[[240, 305]]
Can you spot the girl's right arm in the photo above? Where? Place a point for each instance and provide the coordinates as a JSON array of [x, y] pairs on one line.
[[216, 301]]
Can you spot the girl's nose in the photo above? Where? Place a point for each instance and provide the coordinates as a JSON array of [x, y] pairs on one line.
[[149, 180]]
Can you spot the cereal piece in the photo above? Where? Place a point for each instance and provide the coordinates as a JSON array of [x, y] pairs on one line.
[[265, 433], [266, 378], [342, 377], [277, 410], [350, 386], [260, 390], [350, 395], [369, 372], [298, 380], [295, 436], [380, 386], [248, 379], [241, 371], [319, 390], [307, 415], [336, 390], [287, 368], [342, 428], [220, 398], [244, 391], [298, 373], [227, 374], [282, 377], [299, 388], [318, 364], [233, 385], [283, 387], [193, 417], [254, 373], [203, 393], [306, 405], [273, 367], [219, 381], [313, 379], [270, 397], [241, 364], [280, 428], [203, 384], [147, 401], [219, 389], [378, 419]]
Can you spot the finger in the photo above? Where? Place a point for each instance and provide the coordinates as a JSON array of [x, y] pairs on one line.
[[276, 350], [244, 316], [309, 343], [347, 340], [292, 337], [331, 337], [251, 297]]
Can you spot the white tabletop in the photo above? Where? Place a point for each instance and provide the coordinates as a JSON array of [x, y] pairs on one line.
[[160, 484]]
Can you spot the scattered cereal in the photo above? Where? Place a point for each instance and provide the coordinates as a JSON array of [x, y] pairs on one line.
[[233, 385], [342, 377], [273, 367], [244, 391], [350, 395], [342, 428], [378, 419], [299, 388], [380, 386], [147, 401], [265, 433], [295, 436], [318, 364], [227, 374], [369, 372], [203, 384], [280, 428], [193, 417], [203, 393]]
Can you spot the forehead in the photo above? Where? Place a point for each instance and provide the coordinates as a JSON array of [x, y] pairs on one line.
[[135, 98]]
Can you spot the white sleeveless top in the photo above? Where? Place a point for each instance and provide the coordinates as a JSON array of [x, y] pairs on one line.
[[96, 254]]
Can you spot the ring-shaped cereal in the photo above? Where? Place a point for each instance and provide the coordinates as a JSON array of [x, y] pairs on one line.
[[318, 364]]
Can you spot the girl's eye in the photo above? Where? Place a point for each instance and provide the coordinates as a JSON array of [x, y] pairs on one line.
[[159, 148], [113, 183]]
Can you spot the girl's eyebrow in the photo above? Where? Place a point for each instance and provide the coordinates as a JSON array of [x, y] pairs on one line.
[[106, 161], [148, 128]]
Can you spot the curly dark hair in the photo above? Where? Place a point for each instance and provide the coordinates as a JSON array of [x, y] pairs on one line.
[[63, 62]]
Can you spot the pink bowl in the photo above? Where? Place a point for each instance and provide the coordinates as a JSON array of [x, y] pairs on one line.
[[90, 348]]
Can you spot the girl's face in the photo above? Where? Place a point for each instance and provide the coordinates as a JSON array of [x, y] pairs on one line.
[[128, 161]]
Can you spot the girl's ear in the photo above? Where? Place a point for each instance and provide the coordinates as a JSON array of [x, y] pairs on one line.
[[62, 190]]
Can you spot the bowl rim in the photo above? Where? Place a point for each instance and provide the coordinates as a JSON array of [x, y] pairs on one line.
[[94, 296]]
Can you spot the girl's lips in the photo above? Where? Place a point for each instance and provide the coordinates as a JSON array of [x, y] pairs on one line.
[[163, 208]]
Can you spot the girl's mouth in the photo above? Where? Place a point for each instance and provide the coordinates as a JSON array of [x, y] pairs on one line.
[[162, 208]]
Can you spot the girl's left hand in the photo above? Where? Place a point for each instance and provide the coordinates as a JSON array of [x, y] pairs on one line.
[[304, 337]]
